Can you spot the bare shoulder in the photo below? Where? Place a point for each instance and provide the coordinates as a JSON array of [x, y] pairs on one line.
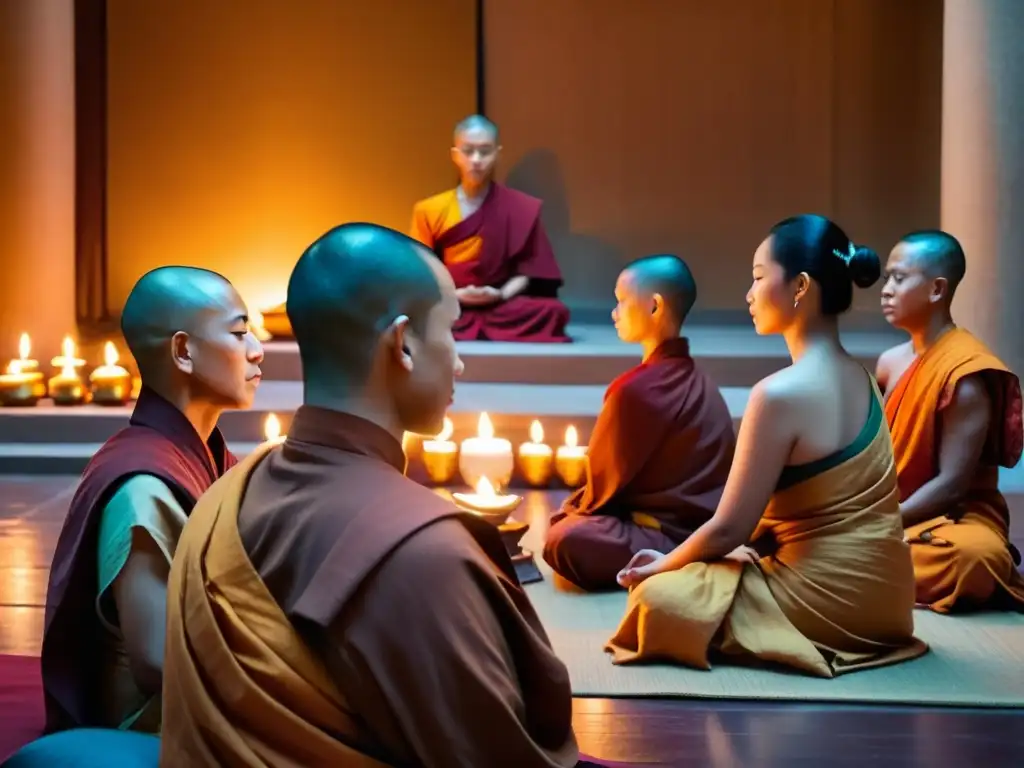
[[775, 395], [970, 397]]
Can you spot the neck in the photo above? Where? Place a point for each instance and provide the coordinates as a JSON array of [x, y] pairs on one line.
[[922, 338], [651, 344], [355, 404], [822, 335], [201, 415], [474, 190]]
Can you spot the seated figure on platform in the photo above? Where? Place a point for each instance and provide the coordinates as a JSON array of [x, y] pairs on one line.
[[494, 244], [327, 610], [815, 474], [103, 641], [954, 411], [661, 450]]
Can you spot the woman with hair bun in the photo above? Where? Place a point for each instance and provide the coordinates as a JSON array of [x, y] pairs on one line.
[[813, 484]]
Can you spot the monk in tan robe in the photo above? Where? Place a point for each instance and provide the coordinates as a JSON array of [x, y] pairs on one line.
[[103, 643], [663, 443], [326, 609], [814, 471], [954, 410]]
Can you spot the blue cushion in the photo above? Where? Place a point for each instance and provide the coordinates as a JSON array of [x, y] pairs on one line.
[[89, 748]]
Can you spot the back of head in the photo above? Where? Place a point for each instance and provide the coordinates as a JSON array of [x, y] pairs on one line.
[[346, 290], [817, 246], [939, 254], [668, 276]]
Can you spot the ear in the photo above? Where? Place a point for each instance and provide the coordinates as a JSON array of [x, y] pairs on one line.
[[657, 303], [940, 290], [497, 152], [181, 354], [803, 283], [399, 342], [454, 153]]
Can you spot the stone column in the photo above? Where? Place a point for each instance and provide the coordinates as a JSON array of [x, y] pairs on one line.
[[37, 175], [983, 166]]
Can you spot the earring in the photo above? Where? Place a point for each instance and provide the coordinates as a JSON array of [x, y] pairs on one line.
[[796, 303]]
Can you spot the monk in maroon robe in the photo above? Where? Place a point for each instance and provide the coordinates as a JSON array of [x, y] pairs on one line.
[[493, 242], [326, 610], [660, 453], [102, 655]]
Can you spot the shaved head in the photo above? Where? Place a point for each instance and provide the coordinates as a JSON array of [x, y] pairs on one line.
[[668, 276], [169, 300], [939, 254], [476, 123], [348, 289]]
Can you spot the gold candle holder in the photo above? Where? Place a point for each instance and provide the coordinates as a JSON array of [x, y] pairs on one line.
[[110, 383], [441, 456], [67, 388], [21, 389], [571, 460], [136, 387], [536, 458]]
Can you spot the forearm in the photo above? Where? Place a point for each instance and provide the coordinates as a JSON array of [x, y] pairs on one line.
[[931, 500], [710, 542], [514, 287]]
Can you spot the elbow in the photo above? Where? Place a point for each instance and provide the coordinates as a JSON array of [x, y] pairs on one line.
[[723, 538]]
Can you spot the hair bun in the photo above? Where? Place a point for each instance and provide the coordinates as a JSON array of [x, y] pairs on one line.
[[865, 267]]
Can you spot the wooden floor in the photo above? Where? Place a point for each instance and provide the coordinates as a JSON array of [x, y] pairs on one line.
[[636, 732]]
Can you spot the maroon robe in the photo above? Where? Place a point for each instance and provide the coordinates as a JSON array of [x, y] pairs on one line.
[[158, 441], [662, 448], [513, 242]]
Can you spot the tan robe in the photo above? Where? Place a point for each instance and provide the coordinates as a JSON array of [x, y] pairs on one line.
[[325, 610], [837, 595]]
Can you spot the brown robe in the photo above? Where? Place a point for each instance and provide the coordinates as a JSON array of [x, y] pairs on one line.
[[659, 457], [413, 644]]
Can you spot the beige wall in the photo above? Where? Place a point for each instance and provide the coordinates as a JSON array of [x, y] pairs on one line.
[[692, 126], [240, 130]]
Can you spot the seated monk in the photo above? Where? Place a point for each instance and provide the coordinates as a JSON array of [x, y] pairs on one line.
[[326, 609], [103, 642], [954, 411], [814, 471], [662, 446], [493, 242]]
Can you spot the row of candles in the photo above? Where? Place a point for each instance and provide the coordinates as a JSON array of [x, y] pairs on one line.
[[23, 384]]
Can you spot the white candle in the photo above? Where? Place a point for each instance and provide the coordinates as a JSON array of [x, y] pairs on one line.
[[487, 502], [442, 442], [25, 363], [486, 456]]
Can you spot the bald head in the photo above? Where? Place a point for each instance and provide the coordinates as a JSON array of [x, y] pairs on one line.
[[476, 123], [169, 300], [938, 254], [348, 288], [668, 276]]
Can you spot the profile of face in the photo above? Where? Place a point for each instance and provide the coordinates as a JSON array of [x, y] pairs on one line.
[[909, 293], [219, 354], [775, 302], [475, 154], [428, 362], [638, 313]]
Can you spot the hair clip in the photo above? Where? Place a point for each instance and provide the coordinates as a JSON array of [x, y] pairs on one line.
[[848, 256]]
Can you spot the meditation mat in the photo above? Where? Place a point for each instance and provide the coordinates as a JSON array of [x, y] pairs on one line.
[[973, 661]]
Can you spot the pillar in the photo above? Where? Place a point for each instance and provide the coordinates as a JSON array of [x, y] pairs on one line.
[[37, 175], [983, 166]]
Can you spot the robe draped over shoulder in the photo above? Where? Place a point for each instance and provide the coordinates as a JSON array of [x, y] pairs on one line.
[[964, 559], [658, 460], [502, 239], [159, 441], [836, 596]]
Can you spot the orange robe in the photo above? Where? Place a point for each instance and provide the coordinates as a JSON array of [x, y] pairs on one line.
[[502, 239], [658, 460], [325, 610], [969, 561]]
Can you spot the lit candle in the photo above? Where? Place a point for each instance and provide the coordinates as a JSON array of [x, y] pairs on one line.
[[485, 456], [487, 502], [136, 387], [272, 429], [441, 455], [571, 460], [21, 388], [67, 357], [110, 383], [535, 458], [25, 363], [67, 387], [257, 327]]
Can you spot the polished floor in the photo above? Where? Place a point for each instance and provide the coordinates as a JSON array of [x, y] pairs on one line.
[[636, 732]]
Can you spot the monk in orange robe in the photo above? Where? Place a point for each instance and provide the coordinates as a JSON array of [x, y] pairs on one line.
[[954, 410], [324, 609], [663, 443], [493, 242]]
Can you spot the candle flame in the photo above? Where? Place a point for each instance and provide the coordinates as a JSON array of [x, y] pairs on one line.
[[484, 427], [110, 354], [67, 348], [571, 438], [536, 432], [272, 427], [446, 431], [24, 346], [484, 488]]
